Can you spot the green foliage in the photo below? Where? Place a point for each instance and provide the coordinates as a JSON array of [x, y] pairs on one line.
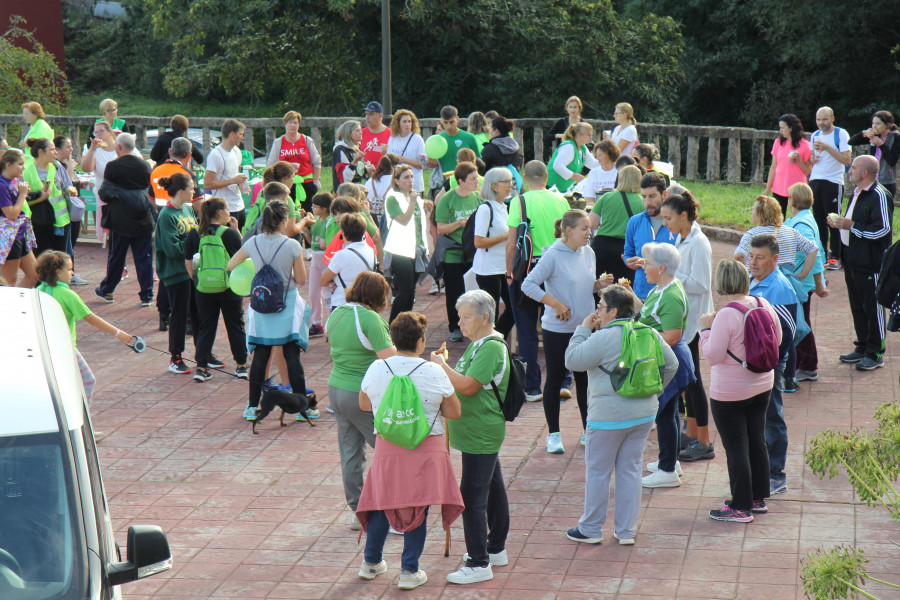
[[834, 573], [29, 73]]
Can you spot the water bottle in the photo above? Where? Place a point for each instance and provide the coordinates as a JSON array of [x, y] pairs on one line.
[[245, 186]]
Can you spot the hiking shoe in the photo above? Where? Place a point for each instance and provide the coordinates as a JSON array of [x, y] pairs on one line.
[[318, 331], [624, 540], [575, 535], [163, 323], [76, 280], [108, 298], [803, 375], [685, 441], [565, 393], [661, 479], [177, 365], [456, 335], [147, 303], [201, 375], [250, 413], [214, 362], [697, 451], [869, 364], [534, 397], [471, 575], [409, 581], [241, 372], [833, 264], [777, 485], [852, 357], [726, 513], [369, 571], [654, 467], [554, 444], [500, 559], [791, 385], [759, 506]]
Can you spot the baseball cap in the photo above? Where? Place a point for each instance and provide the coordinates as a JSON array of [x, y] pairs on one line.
[[374, 106]]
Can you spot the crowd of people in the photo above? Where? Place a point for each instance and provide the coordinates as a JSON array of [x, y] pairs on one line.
[[500, 238]]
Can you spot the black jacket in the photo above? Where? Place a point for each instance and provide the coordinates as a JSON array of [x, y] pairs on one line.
[[550, 135], [890, 153], [127, 211], [502, 151], [870, 234], [160, 151]]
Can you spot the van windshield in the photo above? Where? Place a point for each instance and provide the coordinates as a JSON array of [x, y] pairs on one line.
[[39, 544]]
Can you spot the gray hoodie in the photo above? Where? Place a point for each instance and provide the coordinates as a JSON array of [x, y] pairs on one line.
[[508, 145], [567, 275]]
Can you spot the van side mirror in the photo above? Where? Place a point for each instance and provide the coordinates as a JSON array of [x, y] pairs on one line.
[[148, 554]]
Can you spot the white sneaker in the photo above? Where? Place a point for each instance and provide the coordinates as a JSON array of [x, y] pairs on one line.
[[367, 571], [661, 479], [554, 444], [354, 523], [654, 467], [534, 397], [624, 541], [497, 560], [409, 581], [435, 289], [565, 393], [394, 531], [471, 575]]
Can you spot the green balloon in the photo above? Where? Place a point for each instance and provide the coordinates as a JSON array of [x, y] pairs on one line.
[[436, 147], [241, 278]]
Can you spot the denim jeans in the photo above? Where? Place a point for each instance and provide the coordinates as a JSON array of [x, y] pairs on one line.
[[526, 319], [776, 428], [486, 516], [413, 541], [668, 431]]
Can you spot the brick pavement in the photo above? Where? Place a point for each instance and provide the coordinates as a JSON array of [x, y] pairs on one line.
[[264, 516]]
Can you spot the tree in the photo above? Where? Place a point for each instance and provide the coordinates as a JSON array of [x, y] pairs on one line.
[[29, 72]]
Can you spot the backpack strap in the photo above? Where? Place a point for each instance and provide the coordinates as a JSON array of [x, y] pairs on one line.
[[522, 215], [368, 268], [613, 323], [490, 219], [627, 205], [508, 365], [743, 310]]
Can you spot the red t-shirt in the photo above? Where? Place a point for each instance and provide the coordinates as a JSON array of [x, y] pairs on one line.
[[372, 143], [297, 153]]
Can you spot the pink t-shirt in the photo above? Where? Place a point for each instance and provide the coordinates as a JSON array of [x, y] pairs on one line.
[[786, 172], [729, 381]]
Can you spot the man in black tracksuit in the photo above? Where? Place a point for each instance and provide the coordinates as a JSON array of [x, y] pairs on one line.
[[865, 231]]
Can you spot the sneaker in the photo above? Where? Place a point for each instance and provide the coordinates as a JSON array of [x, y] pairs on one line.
[[726, 513], [369, 571], [624, 541], [284, 387], [108, 298], [500, 559], [250, 413], [312, 413], [852, 357], [869, 364], [316, 331], [269, 384], [163, 323], [777, 486], [456, 335], [661, 479], [214, 362], [791, 385], [435, 289], [328, 409], [565, 393], [355, 525], [554, 444], [534, 397], [410, 581], [832, 264], [241, 372], [654, 467], [803, 375], [576, 536], [583, 440], [177, 365], [471, 575], [201, 375], [147, 303], [759, 506], [394, 531], [697, 451], [685, 441], [76, 280]]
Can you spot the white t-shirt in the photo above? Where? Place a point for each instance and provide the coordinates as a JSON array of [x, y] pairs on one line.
[[491, 261], [348, 265], [101, 159], [827, 167], [226, 165], [628, 133], [412, 149], [599, 181], [430, 380]]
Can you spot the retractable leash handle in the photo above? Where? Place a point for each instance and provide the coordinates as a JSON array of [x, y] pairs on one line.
[[138, 345]]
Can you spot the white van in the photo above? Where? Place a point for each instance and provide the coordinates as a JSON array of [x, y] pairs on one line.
[[56, 540]]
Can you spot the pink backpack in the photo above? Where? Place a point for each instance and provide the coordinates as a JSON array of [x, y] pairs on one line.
[[760, 338]]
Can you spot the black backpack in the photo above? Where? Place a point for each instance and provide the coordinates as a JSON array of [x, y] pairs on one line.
[[468, 234], [515, 390], [888, 287], [521, 260], [268, 290]]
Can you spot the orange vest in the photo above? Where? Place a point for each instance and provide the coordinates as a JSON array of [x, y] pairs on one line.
[[167, 169]]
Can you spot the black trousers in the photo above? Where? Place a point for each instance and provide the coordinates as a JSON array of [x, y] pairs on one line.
[[403, 283], [827, 199], [868, 315], [208, 308], [47, 240], [258, 370], [608, 252], [555, 345], [162, 300], [241, 217], [496, 286], [181, 299], [141, 252], [742, 432], [454, 286], [782, 201], [695, 402], [486, 516]]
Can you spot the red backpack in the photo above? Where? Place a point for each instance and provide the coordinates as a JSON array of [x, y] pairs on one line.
[[760, 338]]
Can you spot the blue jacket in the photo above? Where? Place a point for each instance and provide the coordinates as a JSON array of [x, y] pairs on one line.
[[638, 233], [781, 295], [805, 223]]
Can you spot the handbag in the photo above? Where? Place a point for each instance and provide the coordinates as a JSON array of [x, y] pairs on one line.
[[42, 214]]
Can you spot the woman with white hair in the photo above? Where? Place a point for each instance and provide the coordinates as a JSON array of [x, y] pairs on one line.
[[491, 232], [666, 310], [478, 434], [346, 154]]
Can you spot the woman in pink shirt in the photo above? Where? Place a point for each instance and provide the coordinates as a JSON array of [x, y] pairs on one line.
[[738, 396], [790, 160]]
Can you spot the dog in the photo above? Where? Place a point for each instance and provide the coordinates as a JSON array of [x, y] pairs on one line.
[[288, 403]]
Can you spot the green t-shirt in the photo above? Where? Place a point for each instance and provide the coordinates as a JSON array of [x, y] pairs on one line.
[[452, 207], [667, 308], [332, 227], [393, 210], [348, 338], [73, 306], [482, 139], [481, 428], [117, 123], [543, 208], [40, 129], [462, 139], [611, 209], [317, 233]]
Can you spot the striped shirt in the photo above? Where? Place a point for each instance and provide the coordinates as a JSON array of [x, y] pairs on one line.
[[790, 242]]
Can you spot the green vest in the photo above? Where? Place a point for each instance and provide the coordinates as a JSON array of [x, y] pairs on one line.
[[553, 178], [57, 199]]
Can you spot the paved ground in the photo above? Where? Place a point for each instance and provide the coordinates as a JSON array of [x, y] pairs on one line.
[[264, 517]]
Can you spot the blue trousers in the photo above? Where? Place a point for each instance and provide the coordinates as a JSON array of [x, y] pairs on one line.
[[776, 428], [141, 252], [526, 319], [413, 541]]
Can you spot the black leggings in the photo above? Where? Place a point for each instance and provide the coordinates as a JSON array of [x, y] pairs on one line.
[[496, 286], [181, 299], [454, 287], [258, 370], [695, 402], [782, 201], [232, 308], [555, 345], [403, 283]]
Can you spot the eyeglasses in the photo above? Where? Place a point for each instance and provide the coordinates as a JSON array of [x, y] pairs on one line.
[[506, 181]]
